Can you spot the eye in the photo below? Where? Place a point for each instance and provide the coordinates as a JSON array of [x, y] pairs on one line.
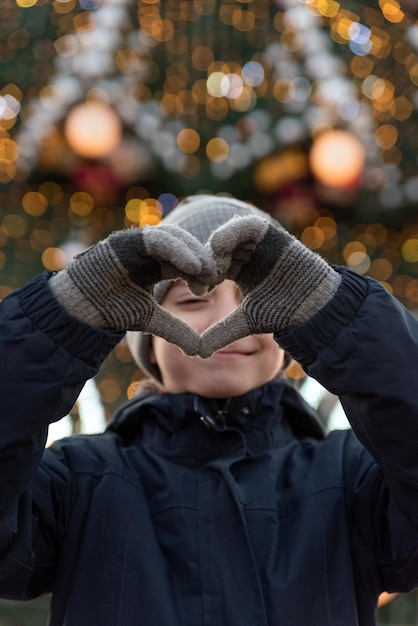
[[192, 301]]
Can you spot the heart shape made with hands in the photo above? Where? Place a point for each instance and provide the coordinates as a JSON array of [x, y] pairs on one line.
[[235, 254], [170, 327], [216, 337], [281, 281]]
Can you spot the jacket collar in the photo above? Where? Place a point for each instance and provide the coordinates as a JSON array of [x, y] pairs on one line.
[[262, 407]]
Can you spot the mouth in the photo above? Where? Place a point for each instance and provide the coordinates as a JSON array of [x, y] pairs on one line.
[[230, 354]]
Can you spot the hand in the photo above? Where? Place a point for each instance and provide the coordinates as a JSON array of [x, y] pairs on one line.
[[110, 285], [282, 282]]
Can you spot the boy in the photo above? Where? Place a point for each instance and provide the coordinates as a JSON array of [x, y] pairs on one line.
[[217, 499]]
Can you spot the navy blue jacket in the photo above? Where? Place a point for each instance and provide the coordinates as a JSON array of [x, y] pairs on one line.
[[170, 518]]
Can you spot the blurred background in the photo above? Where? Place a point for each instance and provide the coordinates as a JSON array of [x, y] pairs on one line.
[[113, 110]]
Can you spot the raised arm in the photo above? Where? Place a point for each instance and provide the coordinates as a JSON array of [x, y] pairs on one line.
[[358, 341]]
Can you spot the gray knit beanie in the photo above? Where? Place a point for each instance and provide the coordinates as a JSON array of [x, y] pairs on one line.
[[200, 215]]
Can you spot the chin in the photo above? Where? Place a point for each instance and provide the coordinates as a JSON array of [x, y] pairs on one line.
[[224, 391]]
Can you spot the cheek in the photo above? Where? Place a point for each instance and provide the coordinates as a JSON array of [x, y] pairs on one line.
[[273, 354], [162, 351], [170, 360], [198, 320], [199, 317]]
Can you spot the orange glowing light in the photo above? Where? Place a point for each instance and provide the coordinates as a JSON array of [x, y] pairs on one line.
[[92, 130], [337, 159]]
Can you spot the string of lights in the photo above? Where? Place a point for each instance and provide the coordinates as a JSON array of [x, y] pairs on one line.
[[110, 110]]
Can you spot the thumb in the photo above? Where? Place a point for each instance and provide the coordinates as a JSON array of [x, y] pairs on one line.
[[223, 333], [172, 329]]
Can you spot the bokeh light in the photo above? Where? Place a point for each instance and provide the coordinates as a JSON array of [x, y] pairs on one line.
[[204, 96], [92, 129], [337, 158]]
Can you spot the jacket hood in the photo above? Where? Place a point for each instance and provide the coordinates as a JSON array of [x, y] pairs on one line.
[[265, 404]]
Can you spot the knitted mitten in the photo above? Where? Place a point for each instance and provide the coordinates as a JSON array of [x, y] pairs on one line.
[[282, 282], [110, 285]]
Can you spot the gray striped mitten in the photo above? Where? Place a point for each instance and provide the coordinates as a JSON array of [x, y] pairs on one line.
[[282, 282], [110, 285]]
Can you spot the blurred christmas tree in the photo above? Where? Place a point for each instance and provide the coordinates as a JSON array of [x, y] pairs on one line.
[[111, 110]]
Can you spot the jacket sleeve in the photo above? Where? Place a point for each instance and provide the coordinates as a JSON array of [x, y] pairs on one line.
[[46, 357], [363, 346]]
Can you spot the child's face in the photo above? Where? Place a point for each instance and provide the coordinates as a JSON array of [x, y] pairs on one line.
[[242, 366]]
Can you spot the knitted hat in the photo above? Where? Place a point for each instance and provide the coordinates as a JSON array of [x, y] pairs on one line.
[[200, 215]]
